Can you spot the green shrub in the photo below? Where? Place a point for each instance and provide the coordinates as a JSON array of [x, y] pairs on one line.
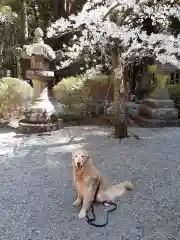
[[80, 89], [69, 89], [77, 93], [14, 95]]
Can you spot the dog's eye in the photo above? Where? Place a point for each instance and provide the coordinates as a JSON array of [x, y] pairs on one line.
[[76, 156], [82, 156]]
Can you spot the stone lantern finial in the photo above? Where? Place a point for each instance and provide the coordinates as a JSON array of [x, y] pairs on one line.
[[38, 34]]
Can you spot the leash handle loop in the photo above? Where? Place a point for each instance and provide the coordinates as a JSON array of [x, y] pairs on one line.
[[91, 222]]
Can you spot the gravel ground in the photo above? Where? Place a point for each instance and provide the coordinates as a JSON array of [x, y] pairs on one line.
[[36, 188]]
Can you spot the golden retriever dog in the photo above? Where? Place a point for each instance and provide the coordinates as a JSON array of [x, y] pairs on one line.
[[88, 180]]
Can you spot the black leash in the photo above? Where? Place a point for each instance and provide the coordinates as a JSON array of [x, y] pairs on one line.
[[91, 220]]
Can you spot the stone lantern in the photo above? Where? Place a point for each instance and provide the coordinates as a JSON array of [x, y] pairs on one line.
[[158, 109], [41, 116]]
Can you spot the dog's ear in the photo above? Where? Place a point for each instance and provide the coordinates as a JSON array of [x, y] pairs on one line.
[[86, 153], [87, 156]]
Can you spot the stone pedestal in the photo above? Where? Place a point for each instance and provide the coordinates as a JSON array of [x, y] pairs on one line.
[[41, 116], [158, 110]]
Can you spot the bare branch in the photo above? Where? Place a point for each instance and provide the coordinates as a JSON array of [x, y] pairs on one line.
[[111, 10]]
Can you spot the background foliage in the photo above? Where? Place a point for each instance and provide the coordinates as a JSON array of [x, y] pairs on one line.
[[19, 18]]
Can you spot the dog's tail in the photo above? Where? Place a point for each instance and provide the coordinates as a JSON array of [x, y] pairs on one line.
[[119, 189], [128, 185]]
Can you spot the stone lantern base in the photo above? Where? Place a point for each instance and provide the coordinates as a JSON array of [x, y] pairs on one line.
[[30, 128], [41, 116], [157, 113]]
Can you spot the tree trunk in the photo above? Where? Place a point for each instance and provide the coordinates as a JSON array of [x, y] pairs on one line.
[[120, 94], [24, 32], [62, 8], [24, 23]]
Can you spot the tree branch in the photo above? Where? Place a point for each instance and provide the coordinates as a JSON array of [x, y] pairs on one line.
[[111, 10], [69, 31]]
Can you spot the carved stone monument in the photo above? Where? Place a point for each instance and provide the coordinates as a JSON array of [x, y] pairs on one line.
[[158, 109], [41, 116]]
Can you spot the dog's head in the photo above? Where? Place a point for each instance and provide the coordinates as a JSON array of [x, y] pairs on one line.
[[80, 157]]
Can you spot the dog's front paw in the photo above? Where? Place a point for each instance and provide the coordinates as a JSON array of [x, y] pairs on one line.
[[82, 214], [77, 202]]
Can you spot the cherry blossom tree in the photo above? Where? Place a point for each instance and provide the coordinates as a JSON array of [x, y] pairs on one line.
[[117, 28], [99, 30]]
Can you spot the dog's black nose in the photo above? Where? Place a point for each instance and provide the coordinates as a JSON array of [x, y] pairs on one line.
[[78, 164]]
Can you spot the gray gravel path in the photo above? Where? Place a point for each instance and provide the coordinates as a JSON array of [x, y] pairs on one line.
[[36, 189]]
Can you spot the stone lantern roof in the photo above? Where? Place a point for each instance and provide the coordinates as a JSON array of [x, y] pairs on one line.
[[39, 48]]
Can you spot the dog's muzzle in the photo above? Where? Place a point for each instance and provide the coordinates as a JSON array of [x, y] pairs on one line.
[[79, 165]]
